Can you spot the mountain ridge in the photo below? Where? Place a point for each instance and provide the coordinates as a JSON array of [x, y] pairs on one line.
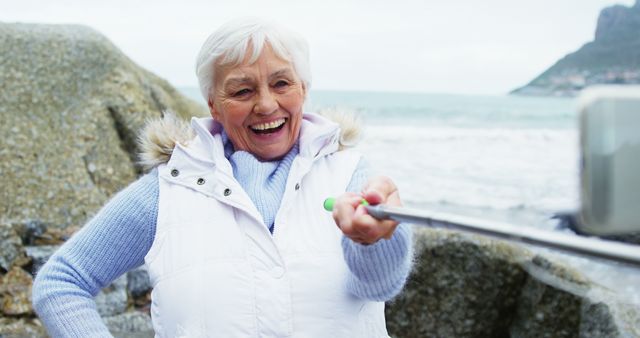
[[613, 57]]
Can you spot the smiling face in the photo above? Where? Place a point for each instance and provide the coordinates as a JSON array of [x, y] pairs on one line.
[[259, 105]]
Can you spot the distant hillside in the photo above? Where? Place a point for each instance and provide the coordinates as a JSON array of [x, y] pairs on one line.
[[613, 57]]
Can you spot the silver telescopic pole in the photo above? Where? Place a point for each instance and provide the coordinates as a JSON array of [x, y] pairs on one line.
[[615, 251]]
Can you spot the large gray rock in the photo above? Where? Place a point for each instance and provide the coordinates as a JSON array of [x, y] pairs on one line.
[[138, 283], [71, 104], [11, 251], [21, 327], [130, 325], [468, 286], [112, 300], [459, 288], [39, 255], [597, 321], [15, 293], [555, 303]]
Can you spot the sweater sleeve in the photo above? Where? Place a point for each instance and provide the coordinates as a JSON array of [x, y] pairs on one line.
[[111, 243], [380, 270]]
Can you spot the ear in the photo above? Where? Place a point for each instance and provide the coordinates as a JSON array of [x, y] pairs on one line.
[[212, 109]]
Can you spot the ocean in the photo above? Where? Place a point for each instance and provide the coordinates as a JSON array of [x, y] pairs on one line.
[[506, 158]]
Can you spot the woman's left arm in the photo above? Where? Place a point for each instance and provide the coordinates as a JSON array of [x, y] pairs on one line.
[[378, 253]]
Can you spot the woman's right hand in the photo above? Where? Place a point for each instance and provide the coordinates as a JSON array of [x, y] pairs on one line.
[[352, 217]]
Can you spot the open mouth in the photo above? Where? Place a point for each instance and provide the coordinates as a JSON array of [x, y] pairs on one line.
[[268, 127]]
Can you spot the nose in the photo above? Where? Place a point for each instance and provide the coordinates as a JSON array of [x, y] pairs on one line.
[[266, 103]]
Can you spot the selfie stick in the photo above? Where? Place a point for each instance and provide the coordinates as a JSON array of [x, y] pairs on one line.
[[615, 251]]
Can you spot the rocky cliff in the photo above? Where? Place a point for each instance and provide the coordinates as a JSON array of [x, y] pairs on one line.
[[71, 105], [613, 57]]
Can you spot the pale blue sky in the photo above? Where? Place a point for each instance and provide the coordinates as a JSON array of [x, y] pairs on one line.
[[464, 46]]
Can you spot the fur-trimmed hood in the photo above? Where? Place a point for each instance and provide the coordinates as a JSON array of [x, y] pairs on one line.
[[160, 136]]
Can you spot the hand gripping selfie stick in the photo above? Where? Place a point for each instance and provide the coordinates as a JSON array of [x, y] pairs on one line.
[[615, 251]]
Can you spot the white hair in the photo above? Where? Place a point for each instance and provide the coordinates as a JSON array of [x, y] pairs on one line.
[[230, 45]]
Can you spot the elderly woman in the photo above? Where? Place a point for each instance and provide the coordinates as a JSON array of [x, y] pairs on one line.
[[229, 222]]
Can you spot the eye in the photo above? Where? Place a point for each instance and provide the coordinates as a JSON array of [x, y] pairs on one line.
[[241, 92], [280, 84]]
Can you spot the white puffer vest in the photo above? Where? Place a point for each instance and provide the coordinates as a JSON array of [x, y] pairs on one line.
[[216, 270]]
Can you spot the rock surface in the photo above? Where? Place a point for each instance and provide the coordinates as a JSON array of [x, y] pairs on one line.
[[21, 328], [112, 300], [138, 283], [71, 104], [15, 290], [39, 255], [11, 251], [130, 324], [467, 286]]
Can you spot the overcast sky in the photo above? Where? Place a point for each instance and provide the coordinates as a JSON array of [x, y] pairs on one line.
[[464, 46]]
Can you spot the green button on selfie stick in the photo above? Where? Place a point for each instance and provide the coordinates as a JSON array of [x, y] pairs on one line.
[[329, 202]]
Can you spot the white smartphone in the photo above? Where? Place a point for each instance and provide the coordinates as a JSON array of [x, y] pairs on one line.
[[610, 160]]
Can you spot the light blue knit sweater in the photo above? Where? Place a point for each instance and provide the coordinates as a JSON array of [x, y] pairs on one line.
[[120, 235]]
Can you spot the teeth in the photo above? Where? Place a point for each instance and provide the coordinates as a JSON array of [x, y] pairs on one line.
[[270, 125]]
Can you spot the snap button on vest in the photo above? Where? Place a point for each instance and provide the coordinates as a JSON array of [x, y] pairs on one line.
[[297, 186], [200, 181], [227, 192], [175, 172], [277, 272]]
